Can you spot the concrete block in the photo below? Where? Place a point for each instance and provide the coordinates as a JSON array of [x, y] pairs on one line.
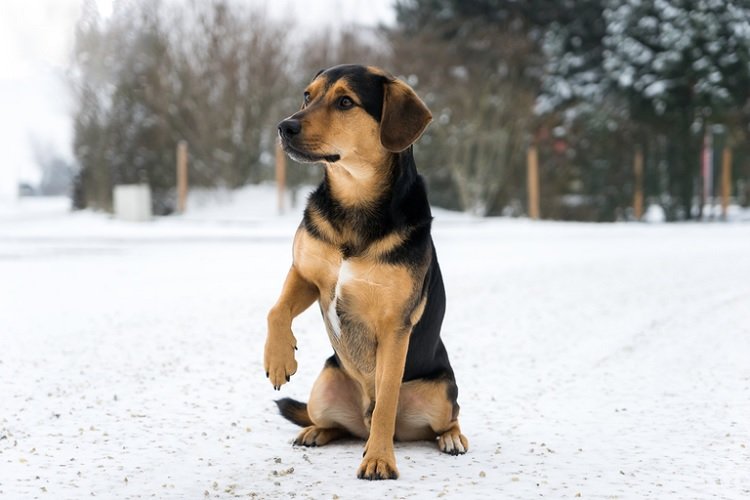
[[133, 202]]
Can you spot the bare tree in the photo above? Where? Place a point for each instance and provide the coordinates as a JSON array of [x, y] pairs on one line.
[[214, 74], [482, 97], [231, 73]]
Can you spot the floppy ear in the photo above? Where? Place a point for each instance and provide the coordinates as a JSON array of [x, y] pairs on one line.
[[404, 116]]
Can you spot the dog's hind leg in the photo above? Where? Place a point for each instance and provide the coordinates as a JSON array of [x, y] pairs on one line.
[[335, 408], [427, 409]]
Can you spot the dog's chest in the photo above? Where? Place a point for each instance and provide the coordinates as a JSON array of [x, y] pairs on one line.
[[348, 319], [360, 298], [333, 315]]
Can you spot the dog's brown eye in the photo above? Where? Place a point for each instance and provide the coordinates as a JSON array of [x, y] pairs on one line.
[[306, 97], [345, 103]]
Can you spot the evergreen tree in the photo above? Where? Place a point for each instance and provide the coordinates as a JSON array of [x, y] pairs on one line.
[[682, 64], [676, 65]]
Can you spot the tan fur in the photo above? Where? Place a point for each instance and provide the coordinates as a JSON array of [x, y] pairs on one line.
[[404, 118], [416, 314], [318, 263], [381, 296], [337, 401], [278, 359], [423, 411], [354, 136]]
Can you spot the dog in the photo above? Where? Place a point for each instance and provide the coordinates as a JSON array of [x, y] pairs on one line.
[[364, 251]]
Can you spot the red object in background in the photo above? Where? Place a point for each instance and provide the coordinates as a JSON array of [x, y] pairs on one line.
[[708, 167], [560, 146]]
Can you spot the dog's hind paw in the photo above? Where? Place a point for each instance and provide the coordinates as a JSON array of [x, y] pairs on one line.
[[317, 436], [453, 442]]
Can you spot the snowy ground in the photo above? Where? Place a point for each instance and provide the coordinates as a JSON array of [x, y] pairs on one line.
[[600, 361]]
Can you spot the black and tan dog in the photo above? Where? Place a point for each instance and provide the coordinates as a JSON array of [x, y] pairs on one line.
[[364, 252]]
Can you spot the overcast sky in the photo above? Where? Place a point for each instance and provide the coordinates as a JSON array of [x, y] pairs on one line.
[[36, 37]]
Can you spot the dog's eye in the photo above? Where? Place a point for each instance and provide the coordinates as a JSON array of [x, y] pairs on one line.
[[306, 97], [345, 102]]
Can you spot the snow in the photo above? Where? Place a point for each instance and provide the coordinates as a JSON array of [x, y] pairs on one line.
[[654, 213], [606, 360], [655, 89]]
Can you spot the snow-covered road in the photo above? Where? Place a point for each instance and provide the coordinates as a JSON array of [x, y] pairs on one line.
[[600, 361]]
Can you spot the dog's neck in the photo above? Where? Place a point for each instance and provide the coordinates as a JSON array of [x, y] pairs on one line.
[[402, 203], [359, 183]]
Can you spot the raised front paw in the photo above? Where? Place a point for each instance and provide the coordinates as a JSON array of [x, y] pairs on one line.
[[375, 466], [279, 359]]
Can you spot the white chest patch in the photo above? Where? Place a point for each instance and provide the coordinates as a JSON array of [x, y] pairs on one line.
[[345, 274]]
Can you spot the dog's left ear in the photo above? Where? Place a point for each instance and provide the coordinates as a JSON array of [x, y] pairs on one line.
[[404, 116]]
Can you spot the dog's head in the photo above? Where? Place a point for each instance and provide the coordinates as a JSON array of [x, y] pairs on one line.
[[353, 115]]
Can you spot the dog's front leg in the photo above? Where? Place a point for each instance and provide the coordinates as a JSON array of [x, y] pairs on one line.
[[379, 460], [296, 296]]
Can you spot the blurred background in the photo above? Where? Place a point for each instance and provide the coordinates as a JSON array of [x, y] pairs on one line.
[[592, 110]]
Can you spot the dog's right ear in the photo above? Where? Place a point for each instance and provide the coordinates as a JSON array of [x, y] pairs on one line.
[[404, 116]]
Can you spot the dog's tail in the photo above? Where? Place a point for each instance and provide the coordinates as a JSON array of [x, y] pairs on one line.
[[294, 411]]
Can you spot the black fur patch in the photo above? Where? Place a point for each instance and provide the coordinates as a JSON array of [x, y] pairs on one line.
[[403, 207], [332, 362], [369, 87], [294, 411]]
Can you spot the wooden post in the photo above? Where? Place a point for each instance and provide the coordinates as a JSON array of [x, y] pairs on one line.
[[182, 176], [532, 179], [638, 184], [726, 181], [280, 176]]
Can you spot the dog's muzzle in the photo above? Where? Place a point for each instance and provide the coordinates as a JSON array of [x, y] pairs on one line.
[[289, 131]]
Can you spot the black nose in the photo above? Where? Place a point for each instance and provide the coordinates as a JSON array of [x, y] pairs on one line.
[[289, 128]]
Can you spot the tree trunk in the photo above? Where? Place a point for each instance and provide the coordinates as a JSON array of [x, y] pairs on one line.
[[689, 157]]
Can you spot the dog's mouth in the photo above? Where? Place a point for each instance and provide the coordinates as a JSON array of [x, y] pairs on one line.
[[302, 156]]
